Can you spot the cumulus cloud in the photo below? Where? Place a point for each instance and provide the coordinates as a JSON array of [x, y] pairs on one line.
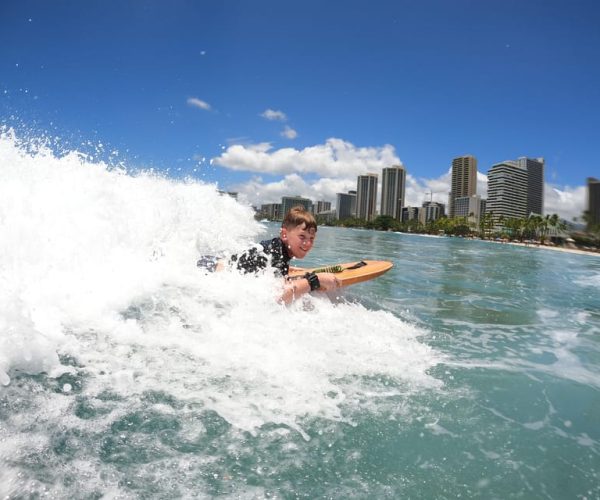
[[418, 190], [336, 159], [566, 201], [320, 172], [272, 114], [257, 192], [289, 132], [198, 103]]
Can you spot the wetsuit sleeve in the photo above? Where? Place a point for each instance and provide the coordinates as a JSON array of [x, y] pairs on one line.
[[250, 261]]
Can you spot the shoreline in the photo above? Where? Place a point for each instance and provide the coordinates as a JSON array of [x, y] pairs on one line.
[[576, 251]]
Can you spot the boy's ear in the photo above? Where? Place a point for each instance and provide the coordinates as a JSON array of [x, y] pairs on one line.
[[283, 234]]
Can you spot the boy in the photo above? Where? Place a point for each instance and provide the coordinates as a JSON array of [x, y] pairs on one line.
[[296, 239]]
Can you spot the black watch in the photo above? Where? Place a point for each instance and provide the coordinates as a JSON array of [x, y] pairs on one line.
[[313, 281]]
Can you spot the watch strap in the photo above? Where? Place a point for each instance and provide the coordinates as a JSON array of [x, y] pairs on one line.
[[313, 281]]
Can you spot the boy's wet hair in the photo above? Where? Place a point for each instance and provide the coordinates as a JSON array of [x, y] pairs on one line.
[[297, 216]]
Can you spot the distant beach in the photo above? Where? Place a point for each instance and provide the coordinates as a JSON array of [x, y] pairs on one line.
[[519, 244], [548, 247]]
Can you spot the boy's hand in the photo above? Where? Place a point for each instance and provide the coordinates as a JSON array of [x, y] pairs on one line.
[[328, 281]]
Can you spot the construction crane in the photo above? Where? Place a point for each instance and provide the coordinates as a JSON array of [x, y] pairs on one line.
[[431, 193]]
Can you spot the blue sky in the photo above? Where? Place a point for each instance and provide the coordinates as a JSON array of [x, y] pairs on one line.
[[280, 97]]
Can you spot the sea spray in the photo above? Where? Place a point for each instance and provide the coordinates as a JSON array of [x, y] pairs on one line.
[[79, 238], [121, 360]]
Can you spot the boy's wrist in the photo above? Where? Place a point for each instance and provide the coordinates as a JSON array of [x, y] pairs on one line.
[[313, 281]]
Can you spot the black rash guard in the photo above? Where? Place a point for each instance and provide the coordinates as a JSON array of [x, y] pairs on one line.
[[254, 259]]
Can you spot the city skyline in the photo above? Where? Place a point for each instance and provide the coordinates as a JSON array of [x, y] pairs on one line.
[[246, 97], [516, 191]]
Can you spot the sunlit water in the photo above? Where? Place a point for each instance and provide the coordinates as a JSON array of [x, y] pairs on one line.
[[471, 369]]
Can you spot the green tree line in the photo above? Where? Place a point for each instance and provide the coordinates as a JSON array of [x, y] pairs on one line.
[[535, 227]]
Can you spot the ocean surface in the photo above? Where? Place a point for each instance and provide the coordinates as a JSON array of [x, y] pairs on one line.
[[470, 370]]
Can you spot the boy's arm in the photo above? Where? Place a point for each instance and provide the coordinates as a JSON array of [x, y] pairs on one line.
[[293, 289]]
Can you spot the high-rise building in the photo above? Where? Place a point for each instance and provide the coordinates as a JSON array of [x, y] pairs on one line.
[[289, 202], [346, 205], [393, 183], [322, 206], [431, 211], [471, 207], [271, 211], [593, 205], [507, 191], [366, 196], [327, 216], [516, 188], [410, 213], [535, 184], [464, 180]]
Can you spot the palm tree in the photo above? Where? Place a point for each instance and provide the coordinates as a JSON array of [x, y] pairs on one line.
[[555, 224], [536, 226], [487, 224], [501, 221], [544, 227]]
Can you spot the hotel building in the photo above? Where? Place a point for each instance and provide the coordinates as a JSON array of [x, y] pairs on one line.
[[321, 206], [271, 211], [593, 205], [366, 196], [288, 202], [471, 207], [516, 188], [346, 205], [431, 211], [535, 184], [393, 182], [507, 191], [464, 180], [410, 213]]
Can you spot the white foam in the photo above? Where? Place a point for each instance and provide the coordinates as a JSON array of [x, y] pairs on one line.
[[591, 280], [80, 239], [99, 265]]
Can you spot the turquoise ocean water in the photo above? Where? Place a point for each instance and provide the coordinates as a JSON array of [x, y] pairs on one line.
[[518, 415], [470, 370]]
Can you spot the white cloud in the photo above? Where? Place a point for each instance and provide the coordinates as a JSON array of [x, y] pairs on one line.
[[482, 184], [289, 132], [271, 114], [257, 192], [566, 201], [198, 103], [336, 159], [419, 190]]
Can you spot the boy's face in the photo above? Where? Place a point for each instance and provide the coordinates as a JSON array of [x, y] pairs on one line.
[[298, 240]]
